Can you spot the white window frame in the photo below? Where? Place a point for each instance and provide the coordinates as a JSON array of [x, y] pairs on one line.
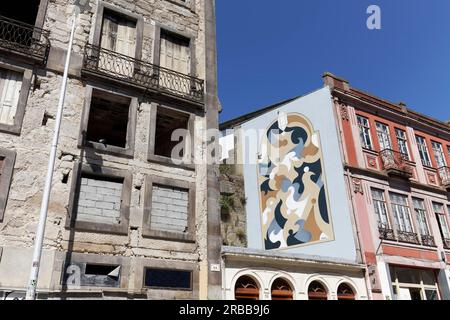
[[402, 142], [441, 216], [383, 135], [364, 132], [438, 153], [423, 287], [380, 208], [401, 213], [421, 216], [423, 151]]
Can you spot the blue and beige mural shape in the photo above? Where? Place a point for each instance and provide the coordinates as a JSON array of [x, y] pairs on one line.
[[293, 193]]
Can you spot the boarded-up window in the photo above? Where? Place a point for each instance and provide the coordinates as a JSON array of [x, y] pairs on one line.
[[175, 52], [169, 209], [99, 199], [10, 85]]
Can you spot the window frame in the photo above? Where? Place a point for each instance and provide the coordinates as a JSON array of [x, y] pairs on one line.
[[102, 172], [152, 293], [364, 132], [102, 5], [168, 288], [423, 210], [383, 135], [444, 216], [147, 231], [403, 141], [76, 258], [385, 205], [441, 153], [395, 212], [423, 150], [6, 177], [151, 156], [159, 29], [27, 76], [128, 151], [395, 283], [189, 4]]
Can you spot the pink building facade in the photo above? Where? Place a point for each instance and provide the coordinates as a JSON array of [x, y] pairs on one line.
[[396, 165]]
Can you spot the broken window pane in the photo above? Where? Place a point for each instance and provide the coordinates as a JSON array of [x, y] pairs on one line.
[[167, 121], [108, 119]]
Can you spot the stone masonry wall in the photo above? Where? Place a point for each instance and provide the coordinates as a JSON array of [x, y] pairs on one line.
[[17, 230], [169, 209], [234, 221]]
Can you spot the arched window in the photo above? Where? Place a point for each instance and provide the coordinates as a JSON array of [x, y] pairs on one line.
[[282, 290], [316, 291], [345, 292], [246, 289]]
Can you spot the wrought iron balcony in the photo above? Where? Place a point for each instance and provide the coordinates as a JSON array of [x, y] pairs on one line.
[[396, 163], [114, 66], [24, 40], [444, 174], [446, 243], [428, 240], [409, 237], [386, 233]]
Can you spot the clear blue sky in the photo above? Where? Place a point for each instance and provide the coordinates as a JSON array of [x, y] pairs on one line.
[[269, 51]]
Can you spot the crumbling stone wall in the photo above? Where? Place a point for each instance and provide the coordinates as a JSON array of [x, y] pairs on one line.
[[232, 201], [17, 230]]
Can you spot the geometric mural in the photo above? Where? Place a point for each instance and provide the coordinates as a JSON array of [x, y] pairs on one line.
[[293, 194]]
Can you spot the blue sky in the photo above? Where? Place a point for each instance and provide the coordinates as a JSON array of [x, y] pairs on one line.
[[269, 51]]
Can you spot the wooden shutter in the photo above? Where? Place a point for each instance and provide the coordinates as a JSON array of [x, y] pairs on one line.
[[10, 85], [118, 35], [175, 53]]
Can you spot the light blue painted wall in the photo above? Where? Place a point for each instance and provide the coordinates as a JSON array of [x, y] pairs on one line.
[[318, 108]]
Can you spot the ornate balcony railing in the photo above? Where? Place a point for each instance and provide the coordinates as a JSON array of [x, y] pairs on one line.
[[23, 39], [409, 237], [396, 163], [106, 63], [446, 243], [386, 233], [428, 240], [444, 174]]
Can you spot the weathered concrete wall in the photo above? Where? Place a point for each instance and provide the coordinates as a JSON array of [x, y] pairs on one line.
[[17, 230]]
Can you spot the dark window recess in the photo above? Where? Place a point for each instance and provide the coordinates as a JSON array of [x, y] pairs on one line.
[[101, 270], [167, 121], [108, 119], [15, 10], [168, 279]]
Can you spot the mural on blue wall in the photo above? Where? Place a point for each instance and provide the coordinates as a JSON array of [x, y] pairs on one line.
[[293, 193]]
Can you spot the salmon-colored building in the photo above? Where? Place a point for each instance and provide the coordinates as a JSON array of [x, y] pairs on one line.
[[396, 165]]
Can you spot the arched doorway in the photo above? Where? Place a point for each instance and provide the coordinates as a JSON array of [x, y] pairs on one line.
[[282, 290], [345, 292], [317, 291], [246, 289]]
